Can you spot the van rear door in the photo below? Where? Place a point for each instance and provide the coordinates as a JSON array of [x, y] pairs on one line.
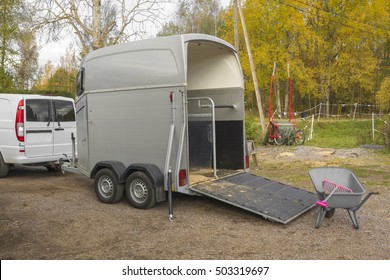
[[64, 125], [38, 127]]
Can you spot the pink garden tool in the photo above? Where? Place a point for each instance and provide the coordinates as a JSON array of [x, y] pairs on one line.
[[329, 188]]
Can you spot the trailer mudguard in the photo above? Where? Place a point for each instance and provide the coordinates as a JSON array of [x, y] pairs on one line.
[[154, 174], [116, 167]]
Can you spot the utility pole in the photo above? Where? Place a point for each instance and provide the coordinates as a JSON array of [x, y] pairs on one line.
[[253, 70], [236, 41]]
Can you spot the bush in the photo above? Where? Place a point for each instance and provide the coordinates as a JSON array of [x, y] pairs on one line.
[[252, 128], [386, 130]]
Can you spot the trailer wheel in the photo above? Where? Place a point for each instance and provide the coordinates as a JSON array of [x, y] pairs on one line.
[[107, 188], [4, 167], [140, 191]]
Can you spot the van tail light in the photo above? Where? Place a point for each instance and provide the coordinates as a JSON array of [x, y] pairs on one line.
[[182, 177], [19, 121], [246, 162]]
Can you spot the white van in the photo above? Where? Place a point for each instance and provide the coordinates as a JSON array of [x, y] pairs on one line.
[[35, 130]]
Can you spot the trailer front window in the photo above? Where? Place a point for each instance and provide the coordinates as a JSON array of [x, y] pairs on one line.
[[80, 82]]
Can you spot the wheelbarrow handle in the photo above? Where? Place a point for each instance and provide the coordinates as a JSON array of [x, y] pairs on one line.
[[364, 201]]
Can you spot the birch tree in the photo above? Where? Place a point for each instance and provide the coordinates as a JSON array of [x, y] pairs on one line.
[[194, 16]]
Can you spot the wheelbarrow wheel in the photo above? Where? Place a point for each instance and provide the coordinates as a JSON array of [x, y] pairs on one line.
[[330, 213]]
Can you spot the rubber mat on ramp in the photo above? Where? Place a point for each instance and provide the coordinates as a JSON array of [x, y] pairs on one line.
[[270, 199]]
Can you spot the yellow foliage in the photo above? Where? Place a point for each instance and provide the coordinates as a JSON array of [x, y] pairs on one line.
[[334, 48], [383, 96]]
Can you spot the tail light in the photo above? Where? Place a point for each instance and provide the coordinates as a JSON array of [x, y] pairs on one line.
[[246, 162], [182, 177], [19, 121]]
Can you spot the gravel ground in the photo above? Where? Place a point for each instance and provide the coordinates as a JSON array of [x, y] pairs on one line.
[[54, 216]]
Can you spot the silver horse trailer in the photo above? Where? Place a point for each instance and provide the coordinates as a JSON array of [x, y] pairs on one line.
[[169, 107]]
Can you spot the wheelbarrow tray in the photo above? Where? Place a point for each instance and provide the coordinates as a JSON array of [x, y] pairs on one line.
[[342, 177]]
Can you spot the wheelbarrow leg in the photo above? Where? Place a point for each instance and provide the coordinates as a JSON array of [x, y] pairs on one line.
[[320, 216], [354, 219], [352, 211]]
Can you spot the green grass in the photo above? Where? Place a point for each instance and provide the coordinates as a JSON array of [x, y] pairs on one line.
[[340, 133], [327, 133]]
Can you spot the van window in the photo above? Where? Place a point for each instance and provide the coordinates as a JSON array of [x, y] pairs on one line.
[[37, 110], [64, 111]]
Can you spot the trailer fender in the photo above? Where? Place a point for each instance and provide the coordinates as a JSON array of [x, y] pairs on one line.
[[154, 174], [116, 167]]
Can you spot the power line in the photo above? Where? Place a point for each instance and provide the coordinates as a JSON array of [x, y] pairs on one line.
[[330, 19], [342, 16]]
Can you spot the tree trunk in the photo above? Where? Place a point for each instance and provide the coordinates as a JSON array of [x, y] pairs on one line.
[[286, 98], [278, 103], [97, 29], [236, 41], [328, 87]]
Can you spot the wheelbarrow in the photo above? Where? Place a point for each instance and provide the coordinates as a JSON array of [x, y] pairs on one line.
[[337, 188]]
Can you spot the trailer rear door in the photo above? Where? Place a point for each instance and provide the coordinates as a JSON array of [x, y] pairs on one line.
[[270, 199]]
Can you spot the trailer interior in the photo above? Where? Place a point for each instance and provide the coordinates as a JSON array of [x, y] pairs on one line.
[[215, 100]]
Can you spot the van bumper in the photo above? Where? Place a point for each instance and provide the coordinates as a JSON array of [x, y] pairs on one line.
[[14, 155]]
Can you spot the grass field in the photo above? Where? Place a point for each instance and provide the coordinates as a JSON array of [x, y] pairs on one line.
[[341, 133], [330, 133]]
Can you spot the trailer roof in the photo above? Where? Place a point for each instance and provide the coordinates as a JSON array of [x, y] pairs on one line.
[[154, 62], [156, 43]]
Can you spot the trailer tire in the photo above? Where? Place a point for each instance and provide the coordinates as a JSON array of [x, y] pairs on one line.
[[139, 191], [107, 188], [4, 167]]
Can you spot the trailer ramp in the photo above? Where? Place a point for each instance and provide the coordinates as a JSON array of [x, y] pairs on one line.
[[272, 200]]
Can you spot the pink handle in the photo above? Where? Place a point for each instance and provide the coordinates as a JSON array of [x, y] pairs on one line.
[[322, 203]]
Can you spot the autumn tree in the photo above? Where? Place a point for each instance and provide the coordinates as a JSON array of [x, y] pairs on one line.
[[18, 48], [336, 48], [8, 28], [27, 66], [194, 16], [383, 96], [59, 78]]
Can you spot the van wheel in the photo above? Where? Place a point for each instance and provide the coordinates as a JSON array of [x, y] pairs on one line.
[[140, 191], [4, 167], [107, 188]]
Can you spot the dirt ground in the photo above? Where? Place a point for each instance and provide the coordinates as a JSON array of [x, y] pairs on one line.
[[54, 216]]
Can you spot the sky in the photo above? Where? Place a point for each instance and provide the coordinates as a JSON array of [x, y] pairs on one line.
[[54, 50]]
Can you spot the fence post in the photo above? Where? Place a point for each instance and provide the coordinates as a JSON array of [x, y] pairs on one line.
[[311, 128], [354, 111]]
